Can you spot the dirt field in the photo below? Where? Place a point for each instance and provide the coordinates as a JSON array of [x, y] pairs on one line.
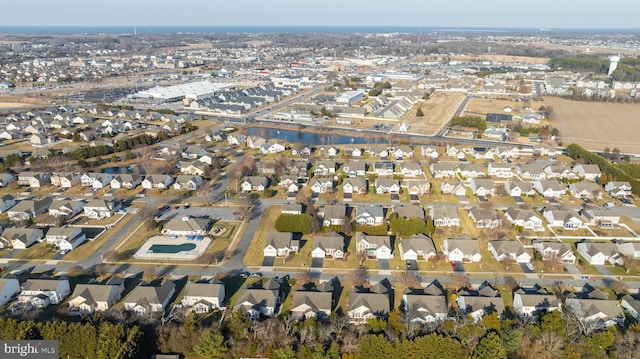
[[437, 110], [483, 106], [5, 105], [597, 125]]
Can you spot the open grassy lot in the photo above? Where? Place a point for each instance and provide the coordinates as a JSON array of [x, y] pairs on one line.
[[254, 254], [612, 232], [438, 110], [578, 233], [596, 125], [482, 106], [37, 251]]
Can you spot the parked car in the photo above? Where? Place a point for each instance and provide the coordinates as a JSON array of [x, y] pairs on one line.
[[257, 275], [244, 274], [530, 266]]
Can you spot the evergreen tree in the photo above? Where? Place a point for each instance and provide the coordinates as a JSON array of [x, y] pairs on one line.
[[491, 347], [211, 345]]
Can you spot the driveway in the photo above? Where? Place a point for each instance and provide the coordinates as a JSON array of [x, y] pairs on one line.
[[412, 265], [317, 262], [463, 199], [603, 270], [268, 261], [383, 264], [395, 197], [571, 268], [518, 199], [414, 198], [459, 267]]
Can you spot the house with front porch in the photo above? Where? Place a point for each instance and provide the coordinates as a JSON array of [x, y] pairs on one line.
[[567, 219], [524, 218], [417, 247], [330, 246], [462, 248], [376, 247], [445, 216], [453, 187], [280, 244], [505, 248]]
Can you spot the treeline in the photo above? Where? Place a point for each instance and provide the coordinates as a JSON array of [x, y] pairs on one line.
[[469, 121], [295, 223], [81, 340], [616, 171], [378, 87], [119, 146], [590, 63], [409, 226]]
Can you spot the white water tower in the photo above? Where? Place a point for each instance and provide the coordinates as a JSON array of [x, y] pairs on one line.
[[613, 64]]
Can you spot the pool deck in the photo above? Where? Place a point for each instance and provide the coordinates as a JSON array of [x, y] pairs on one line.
[[144, 251]]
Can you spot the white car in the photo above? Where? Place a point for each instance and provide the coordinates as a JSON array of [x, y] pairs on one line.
[[530, 266]]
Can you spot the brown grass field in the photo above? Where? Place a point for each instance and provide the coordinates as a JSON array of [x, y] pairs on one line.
[[597, 125], [483, 106], [504, 58], [438, 109]]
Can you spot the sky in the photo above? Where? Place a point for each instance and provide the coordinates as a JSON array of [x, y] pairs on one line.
[[428, 13]]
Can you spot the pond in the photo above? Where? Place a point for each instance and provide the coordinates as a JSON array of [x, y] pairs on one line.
[[312, 138], [117, 170]]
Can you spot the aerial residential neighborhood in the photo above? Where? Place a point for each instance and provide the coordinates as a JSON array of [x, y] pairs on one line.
[[264, 196]]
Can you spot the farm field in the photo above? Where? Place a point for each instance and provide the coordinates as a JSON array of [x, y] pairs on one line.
[[597, 125], [438, 110]]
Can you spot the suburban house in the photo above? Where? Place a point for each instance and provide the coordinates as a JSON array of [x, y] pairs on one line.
[[321, 184], [101, 180], [531, 171], [630, 304], [506, 152], [500, 170], [6, 178], [353, 151], [585, 190], [65, 180], [519, 188], [631, 249], [554, 251], [40, 293], [255, 141], [429, 151], [402, 151], [254, 183], [524, 218], [370, 215], [600, 253], [560, 171], [280, 244], [418, 186], [99, 208], [462, 249], [333, 215], [387, 185], [512, 249], [28, 209], [327, 151], [481, 153], [6, 202], [485, 217], [417, 247], [471, 170], [146, 299], [65, 207], [408, 212], [20, 238], [369, 303], [445, 216], [354, 168], [203, 297], [618, 189], [313, 301], [383, 168], [259, 299], [377, 150], [411, 169], [9, 289], [455, 152], [94, 297], [533, 302], [324, 168], [291, 208], [353, 185], [187, 182], [33, 179], [330, 245], [157, 182], [603, 218], [377, 247], [596, 309], [453, 187], [127, 181], [271, 147], [588, 172], [567, 219], [65, 238], [426, 305], [483, 187], [442, 170], [187, 226], [478, 303]]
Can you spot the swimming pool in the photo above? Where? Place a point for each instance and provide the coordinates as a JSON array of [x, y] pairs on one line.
[[172, 248]]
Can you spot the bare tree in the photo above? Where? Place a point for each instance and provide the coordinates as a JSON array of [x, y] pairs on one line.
[[149, 275], [76, 271], [359, 276]]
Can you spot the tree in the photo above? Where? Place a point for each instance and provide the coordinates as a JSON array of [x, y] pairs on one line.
[[419, 113], [491, 347], [75, 271], [149, 275], [211, 345], [375, 346]]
